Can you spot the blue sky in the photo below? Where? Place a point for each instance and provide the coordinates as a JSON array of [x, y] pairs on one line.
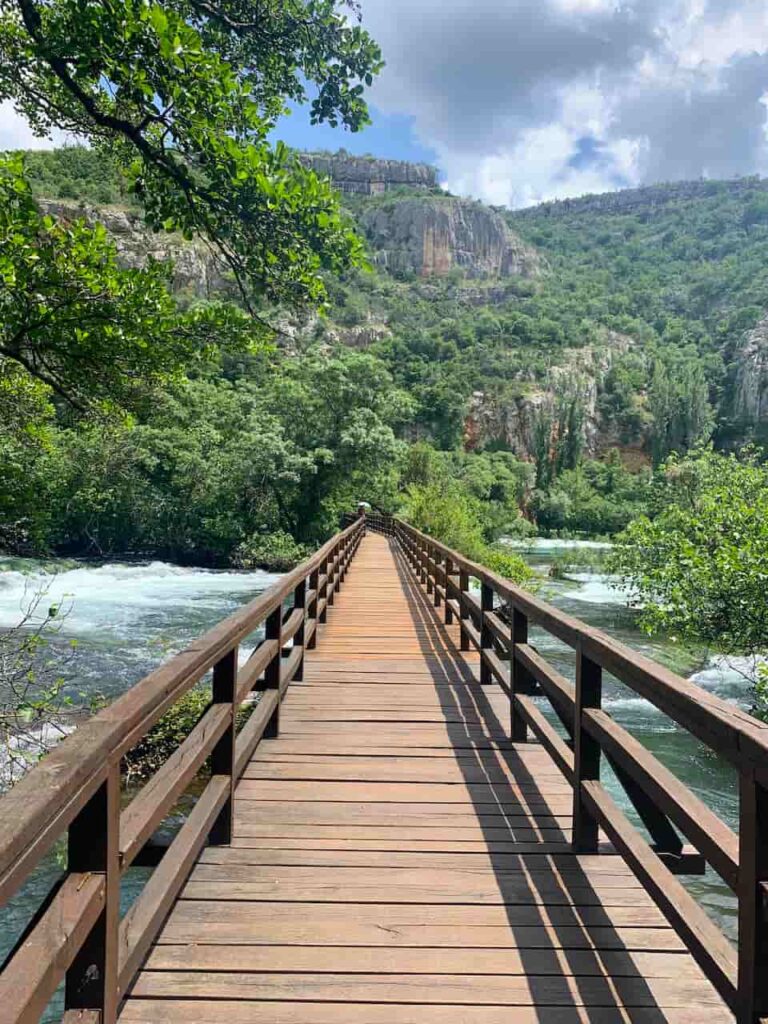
[[519, 101], [389, 135]]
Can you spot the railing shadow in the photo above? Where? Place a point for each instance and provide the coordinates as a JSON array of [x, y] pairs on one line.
[[569, 947]]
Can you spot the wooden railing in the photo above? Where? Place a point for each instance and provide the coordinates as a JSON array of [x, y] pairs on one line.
[[378, 522], [77, 934], [497, 625]]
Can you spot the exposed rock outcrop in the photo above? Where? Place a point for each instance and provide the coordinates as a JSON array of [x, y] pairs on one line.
[[512, 420], [750, 396], [195, 273], [368, 176], [646, 199], [434, 235]]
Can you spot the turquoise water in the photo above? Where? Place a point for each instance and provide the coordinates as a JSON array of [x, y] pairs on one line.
[[127, 618], [589, 594]]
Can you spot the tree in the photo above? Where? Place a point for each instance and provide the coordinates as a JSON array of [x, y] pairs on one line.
[[185, 93], [697, 566], [78, 322]]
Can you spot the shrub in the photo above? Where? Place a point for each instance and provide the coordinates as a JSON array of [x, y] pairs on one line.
[[276, 552]]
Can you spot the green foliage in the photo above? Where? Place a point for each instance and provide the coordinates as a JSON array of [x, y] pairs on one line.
[[184, 95], [696, 566], [154, 749], [78, 322], [277, 552], [77, 173], [594, 499], [443, 506]]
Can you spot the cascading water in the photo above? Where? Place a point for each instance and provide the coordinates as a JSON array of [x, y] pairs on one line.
[[590, 594]]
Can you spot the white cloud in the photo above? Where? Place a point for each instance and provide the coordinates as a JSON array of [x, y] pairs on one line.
[[15, 133], [530, 99]]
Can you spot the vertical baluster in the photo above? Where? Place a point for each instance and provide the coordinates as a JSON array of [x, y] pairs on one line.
[[753, 872], [92, 845], [324, 570], [428, 572], [586, 751], [223, 754], [448, 590], [518, 677], [438, 558], [463, 598], [332, 564], [486, 636], [274, 631], [299, 601], [312, 607]]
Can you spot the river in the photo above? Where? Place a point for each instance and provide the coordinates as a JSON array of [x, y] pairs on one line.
[[587, 593], [127, 618]]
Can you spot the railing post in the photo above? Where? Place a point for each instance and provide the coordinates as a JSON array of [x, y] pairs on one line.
[[448, 584], [332, 566], [437, 558], [324, 571], [223, 754], [274, 631], [314, 576], [518, 677], [428, 572], [424, 572], [464, 612], [586, 751], [753, 874], [299, 601], [486, 636], [93, 845]]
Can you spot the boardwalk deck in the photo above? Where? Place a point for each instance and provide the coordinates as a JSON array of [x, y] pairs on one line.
[[397, 860]]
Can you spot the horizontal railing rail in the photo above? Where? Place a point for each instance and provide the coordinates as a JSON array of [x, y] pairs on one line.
[[378, 522], [496, 624], [77, 936]]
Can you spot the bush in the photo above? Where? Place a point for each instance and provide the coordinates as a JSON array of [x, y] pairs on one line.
[[448, 513], [166, 735], [276, 552]]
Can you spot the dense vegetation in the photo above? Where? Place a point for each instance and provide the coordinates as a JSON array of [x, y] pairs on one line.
[[249, 454], [696, 565]]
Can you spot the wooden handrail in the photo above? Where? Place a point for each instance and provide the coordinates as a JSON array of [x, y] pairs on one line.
[[75, 792], [497, 628]]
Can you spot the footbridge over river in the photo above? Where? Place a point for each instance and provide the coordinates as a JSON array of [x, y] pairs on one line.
[[407, 827]]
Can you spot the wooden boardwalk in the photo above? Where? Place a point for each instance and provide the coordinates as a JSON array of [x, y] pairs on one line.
[[397, 860]]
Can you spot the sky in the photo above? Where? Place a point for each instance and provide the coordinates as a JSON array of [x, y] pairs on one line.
[[519, 101]]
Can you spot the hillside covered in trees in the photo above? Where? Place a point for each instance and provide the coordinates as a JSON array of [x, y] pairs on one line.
[[540, 362]]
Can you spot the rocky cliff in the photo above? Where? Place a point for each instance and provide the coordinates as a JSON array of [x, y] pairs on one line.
[[368, 176], [512, 420], [434, 235], [750, 395], [646, 199], [196, 272]]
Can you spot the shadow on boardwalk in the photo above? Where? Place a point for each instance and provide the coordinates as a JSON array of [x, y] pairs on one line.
[[570, 950]]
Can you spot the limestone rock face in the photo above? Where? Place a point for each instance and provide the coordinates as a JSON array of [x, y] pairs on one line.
[[512, 421], [369, 177], [432, 236], [750, 398], [196, 272]]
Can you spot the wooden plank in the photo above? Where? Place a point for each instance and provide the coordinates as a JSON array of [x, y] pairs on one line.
[[38, 966], [142, 921], [419, 793], [714, 954], [318, 959], [171, 1011], [492, 989]]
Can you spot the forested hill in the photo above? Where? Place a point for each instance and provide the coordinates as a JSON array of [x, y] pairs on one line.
[[539, 350]]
